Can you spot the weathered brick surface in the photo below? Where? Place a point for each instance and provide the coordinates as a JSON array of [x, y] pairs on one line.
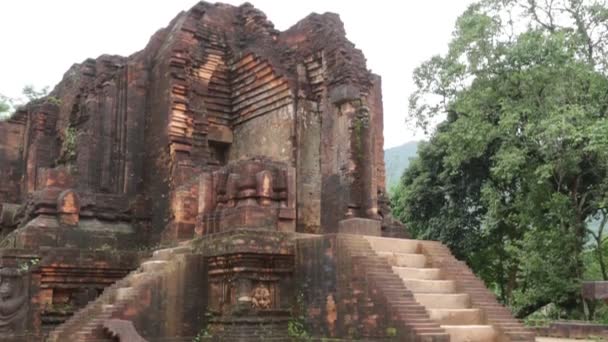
[[161, 299], [59, 282], [217, 85], [220, 123], [574, 330], [350, 292], [195, 285], [252, 193]]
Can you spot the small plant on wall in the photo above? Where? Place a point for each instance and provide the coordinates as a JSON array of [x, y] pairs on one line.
[[296, 327], [68, 146]]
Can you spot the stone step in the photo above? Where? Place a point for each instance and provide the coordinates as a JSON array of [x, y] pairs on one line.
[[404, 259], [434, 337], [417, 273], [410, 309], [470, 333], [430, 286], [393, 245], [521, 336], [456, 316], [444, 300], [167, 253], [505, 320], [125, 293], [153, 265]]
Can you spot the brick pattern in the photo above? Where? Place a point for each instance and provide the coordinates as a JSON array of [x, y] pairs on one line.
[[257, 89], [439, 256], [218, 84], [574, 330], [119, 300]]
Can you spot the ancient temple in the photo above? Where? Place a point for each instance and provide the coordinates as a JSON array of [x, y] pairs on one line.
[[224, 183]]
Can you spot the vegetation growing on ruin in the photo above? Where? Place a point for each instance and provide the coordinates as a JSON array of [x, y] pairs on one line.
[[8, 105], [53, 100], [515, 179], [296, 326], [31, 93], [4, 108], [203, 335], [26, 266], [68, 147]]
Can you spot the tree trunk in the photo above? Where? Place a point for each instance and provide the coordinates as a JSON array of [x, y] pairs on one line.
[[600, 247]]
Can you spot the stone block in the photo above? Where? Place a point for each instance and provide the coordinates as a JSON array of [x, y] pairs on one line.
[[360, 226], [595, 290]]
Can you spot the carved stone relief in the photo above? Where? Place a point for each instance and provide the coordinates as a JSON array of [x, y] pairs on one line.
[[261, 298], [13, 301]]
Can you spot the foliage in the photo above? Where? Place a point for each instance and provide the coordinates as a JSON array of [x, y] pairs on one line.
[[53, 100], [27, 265], [68, 147], [31, 93], [5, 107], [297, 330], [519, 167], [296, 326], [8, 104], [391, 332], [204, 334]]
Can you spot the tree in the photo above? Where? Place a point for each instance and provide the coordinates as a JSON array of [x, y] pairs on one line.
[[8, 105], [32, 94], [512, 177], [5, 107]]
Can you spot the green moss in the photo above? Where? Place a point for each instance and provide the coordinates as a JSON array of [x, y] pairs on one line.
[[68, 146], [53, 100], [25, 267]]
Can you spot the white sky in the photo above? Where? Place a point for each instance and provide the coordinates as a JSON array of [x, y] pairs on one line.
[[41, 39]]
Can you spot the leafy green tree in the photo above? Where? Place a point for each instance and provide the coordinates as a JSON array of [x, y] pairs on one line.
[[8, 105], [5, 107], [512, 177]]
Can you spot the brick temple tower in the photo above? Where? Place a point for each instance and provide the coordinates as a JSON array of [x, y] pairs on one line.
[[222, 181]]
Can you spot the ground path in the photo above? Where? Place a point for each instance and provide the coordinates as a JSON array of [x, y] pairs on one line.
[[553, 339]]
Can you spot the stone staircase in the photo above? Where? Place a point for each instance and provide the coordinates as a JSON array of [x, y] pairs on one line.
[[426, 293], [413, 322], [449, 292], [88, 324], [494, 313]]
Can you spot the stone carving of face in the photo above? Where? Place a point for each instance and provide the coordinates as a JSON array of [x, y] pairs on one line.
[[260, 298], [8, 288], [11, 284], [13, 301]]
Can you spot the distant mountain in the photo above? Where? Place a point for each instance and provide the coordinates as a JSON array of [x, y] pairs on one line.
[[397, 159]]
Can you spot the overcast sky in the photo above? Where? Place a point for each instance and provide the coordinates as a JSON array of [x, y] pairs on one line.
[[41, 39]]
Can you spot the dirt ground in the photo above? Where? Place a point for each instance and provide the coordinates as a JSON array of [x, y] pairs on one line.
[[551, 339]]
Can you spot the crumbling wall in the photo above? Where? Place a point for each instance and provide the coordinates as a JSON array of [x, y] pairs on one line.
[[174, 298], [218, 84], [308, 126], [374, 101], [263, 109], [11, 141]]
